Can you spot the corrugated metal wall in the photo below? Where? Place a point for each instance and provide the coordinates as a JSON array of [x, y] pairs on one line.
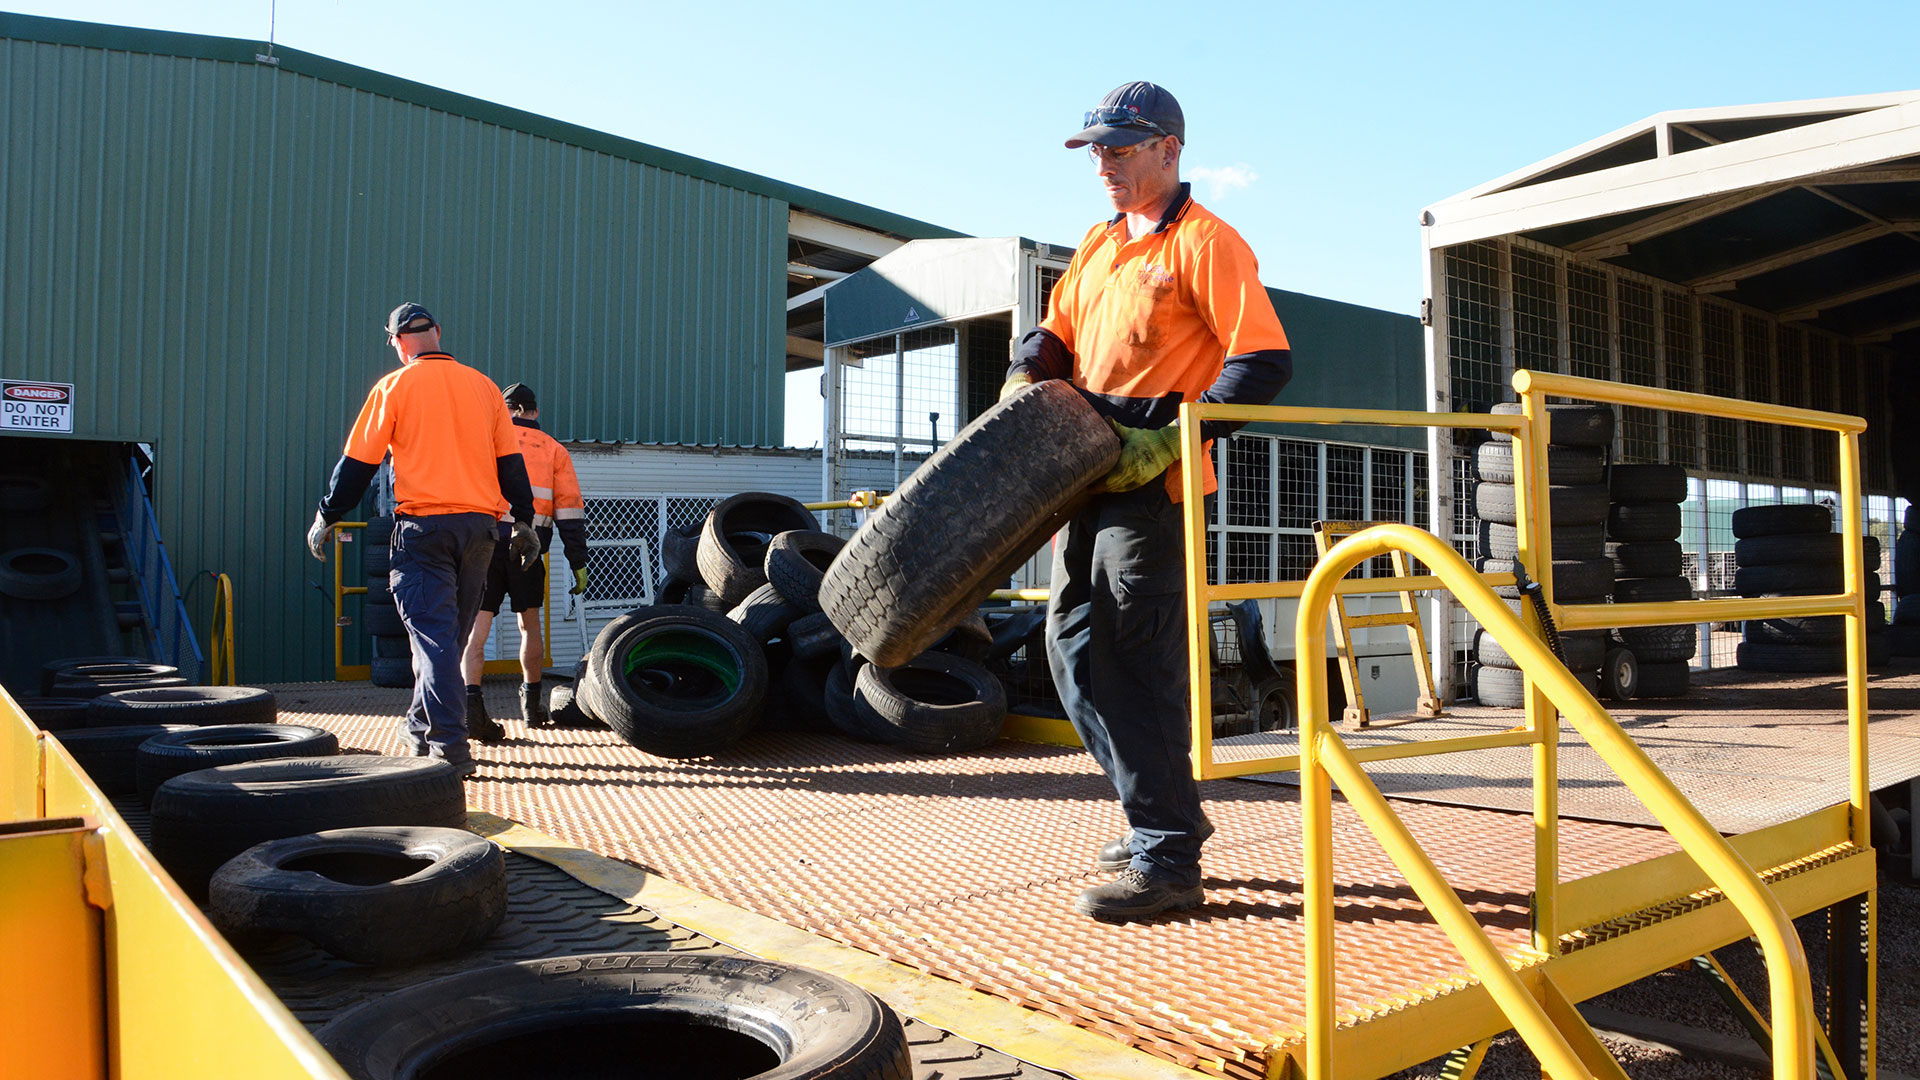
[[207, 247]]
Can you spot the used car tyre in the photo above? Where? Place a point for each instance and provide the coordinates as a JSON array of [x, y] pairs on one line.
[[198, 705], [383, 896], [1781, 519], [735, 538], [166, 756], [933, 704], [1569, 425], [796, 562], [1499, 541], [1648, 484], [689, 1014], [38, 573], [202, 819], [1493, 462], [677, 681], [107, 754], [1585, 504]]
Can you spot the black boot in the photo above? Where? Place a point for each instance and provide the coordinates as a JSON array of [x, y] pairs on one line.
[[533, 708], [481, 727]]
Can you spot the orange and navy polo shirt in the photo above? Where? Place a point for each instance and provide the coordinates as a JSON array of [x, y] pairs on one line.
[[447, 427], [1141, 325]]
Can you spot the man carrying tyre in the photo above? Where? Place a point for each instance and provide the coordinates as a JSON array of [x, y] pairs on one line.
[[1161, 305], [455, 459], [556, 505]]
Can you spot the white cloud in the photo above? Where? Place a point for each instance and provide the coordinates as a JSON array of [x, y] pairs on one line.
[[1225, 179]]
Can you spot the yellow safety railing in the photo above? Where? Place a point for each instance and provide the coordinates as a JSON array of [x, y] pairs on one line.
[[1326, 759], [345, 672], [221, 647]]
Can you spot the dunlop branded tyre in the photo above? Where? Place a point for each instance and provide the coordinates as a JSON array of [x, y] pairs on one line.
[[166, 756], [678, 682], [964, 520], [1582, 505], [933, 704], [1569, 425], [198, 705], [1493, 462], [202, 819], [384, 895], [690, 1014], [735, 538], [1780, 520]]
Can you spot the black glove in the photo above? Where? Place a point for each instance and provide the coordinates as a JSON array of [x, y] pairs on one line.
[[524, 545]]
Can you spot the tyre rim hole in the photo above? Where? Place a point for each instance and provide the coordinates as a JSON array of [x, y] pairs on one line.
[[932, 687], [39, 564], [359, 867], [233, 740], [676, 1044], [683, 668]]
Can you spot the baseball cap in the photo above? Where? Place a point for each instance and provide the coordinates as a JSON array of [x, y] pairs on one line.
[[409, 318], [1132, 113], [522, 395]]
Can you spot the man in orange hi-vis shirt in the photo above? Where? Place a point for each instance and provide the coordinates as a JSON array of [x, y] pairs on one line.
[[455, 460], [1161, 305]]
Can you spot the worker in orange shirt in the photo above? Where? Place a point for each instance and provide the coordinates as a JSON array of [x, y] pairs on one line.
[[1160, 305], [557, 505], [455, 460]]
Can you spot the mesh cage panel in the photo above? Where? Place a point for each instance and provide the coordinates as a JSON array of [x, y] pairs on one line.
[[1720, 376], [1346, 483], [1473, 326], [1682, 373], [1639, 428], [1756, 362], [1796, 444], [1249, 481], [1536, 312], [1589, 344], [1823, 377]]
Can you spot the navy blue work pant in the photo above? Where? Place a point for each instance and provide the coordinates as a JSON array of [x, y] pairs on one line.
[[439, 570], [1116, 641]]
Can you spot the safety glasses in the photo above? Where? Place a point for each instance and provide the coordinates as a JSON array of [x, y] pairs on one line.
[[1114, 116]]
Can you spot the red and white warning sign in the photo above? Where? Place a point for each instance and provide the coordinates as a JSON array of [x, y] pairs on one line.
[[36, 406]]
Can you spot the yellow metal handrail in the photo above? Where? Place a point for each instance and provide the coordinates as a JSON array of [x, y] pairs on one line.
[[1325, 759], [342, 671], [222, 662]]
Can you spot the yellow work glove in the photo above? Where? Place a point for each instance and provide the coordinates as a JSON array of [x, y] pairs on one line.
[[1013, 384], [579, 581], [1144, 455]]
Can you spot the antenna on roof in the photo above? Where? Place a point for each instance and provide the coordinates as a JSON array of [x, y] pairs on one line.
[[273, 13]]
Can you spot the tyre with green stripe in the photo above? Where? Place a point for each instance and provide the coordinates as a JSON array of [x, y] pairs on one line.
[[679, 682]]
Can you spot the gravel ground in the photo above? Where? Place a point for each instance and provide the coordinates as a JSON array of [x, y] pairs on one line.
[[1682, 997]]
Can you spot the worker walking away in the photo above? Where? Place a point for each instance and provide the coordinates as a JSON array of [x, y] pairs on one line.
[[1160, 305], [556, 506], [455, 460]]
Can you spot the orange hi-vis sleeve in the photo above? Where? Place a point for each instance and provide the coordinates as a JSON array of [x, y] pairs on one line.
[[556, 489], [1151, 320], [446, 425]]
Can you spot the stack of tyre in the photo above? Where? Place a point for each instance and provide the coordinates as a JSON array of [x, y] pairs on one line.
[[1581, 572], [1792, 550], [1643, 543], [389, 656], [1903, 637], [739, 642]]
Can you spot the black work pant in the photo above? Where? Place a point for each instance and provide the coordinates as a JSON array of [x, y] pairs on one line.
[[439, 569]]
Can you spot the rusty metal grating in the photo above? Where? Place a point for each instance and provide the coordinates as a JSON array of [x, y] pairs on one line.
[[964, 867]]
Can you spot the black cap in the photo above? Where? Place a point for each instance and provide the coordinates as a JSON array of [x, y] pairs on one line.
[[409, 318], [521, 394], [1132, 113]]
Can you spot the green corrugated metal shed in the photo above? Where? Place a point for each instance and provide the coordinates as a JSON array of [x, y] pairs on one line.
[[205, 244], [1351, 357]]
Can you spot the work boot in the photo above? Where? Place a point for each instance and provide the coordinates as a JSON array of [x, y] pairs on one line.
[[1114, 855], [533, 707], [481, 727], [1137, 895]]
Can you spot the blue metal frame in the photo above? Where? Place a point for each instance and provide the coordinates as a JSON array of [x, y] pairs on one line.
[[170, 637]]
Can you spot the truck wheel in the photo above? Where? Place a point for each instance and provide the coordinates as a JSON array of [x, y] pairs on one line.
[[383, 896], [1619, 675], [735, 537], [935, 703], [202, 819], [166, 756], [691, 1014], [797, 560], [197, 705], [965, 520], [677, 681]]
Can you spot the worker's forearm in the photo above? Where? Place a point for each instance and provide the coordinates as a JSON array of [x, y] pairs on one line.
[[1254, 378], [350, 479], [573, 537], [515, 487], [1042, 355]]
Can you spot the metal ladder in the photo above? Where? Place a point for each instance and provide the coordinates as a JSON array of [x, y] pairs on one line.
[[1325, 535]]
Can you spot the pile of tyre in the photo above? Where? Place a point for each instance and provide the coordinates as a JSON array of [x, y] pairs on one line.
[[1792, 550], [1903, 637], [268, 825], [739, 642], [1643, 543], [1581, 572], [389, 655]]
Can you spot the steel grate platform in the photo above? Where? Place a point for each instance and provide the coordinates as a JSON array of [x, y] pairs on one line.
[[964, 867]]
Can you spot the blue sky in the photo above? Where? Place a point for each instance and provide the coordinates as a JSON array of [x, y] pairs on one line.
[[1318, 130]]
